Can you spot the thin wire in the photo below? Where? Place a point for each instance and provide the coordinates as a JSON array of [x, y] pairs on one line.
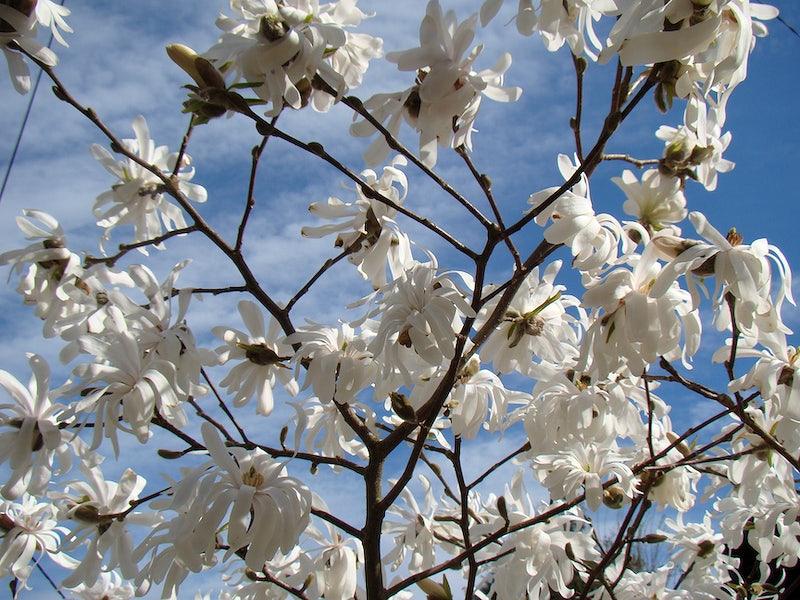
[[789, 27], [24, 123]]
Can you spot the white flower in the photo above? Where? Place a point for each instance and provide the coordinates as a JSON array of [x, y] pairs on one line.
[[695, 149], [125, 387], [648, 585], [443, 104], [18, 26], [741, 270], [558, 21], [569, 406], [776, 373], [656, 202], [592, 238], [535, 324], [35, 437], [339, 363], [478, 399], [336, 564], [29, 529], [415, 531], [137, 198], [419, 310], [92, 505], [262, 355], [369, 231], [268, 509], [282, 46], [326, 430], [698, 544], [51, 14], [50, 264], [584, 466], [545, 556], [638, 325]]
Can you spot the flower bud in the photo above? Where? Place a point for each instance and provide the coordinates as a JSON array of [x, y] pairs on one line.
[[613, 497], [434, 591], [197, 67]]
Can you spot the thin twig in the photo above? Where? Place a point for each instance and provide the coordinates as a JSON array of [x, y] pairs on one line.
[[641, 163], [486, 185], [184, 145], [110, 261], [353, 247], [575, 122], [251, 187]]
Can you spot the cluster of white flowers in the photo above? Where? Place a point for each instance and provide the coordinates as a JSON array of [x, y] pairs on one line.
[[583, 385], [280, 47]]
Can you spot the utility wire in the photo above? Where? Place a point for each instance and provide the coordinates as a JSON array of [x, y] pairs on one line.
[[789, 27], [24, 122]]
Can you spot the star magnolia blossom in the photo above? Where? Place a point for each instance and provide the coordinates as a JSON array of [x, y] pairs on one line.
[[741, 270], [137, 197], [262, 353], [109, 586], [535, 325], [594, 239], [557, 21], [91, 505], [419, 311], [370, 235], [35, 438], [637, 326], [30, 529], [281, 46], [695, 148], [339, 362], [443, 104], [268, 509], [49, 262], [540, 561], [657, 202]]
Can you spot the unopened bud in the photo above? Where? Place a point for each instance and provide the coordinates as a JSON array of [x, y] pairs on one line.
[[87, 513], [502, 508], [6, 522], [654, 538], [433, 590], [613, 497], [681, 446], [169, 454], [197, 67], [284, 433], [401, 406]]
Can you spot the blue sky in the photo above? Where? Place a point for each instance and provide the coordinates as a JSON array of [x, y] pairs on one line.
[[116, 63]]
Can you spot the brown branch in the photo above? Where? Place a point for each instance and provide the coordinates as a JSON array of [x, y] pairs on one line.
[[184, 145], [251, 187], [579, 63], [521, 450], [357, 106], [355, 246], [641, 163], [486, 185], [238, 104], [110, 261]]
